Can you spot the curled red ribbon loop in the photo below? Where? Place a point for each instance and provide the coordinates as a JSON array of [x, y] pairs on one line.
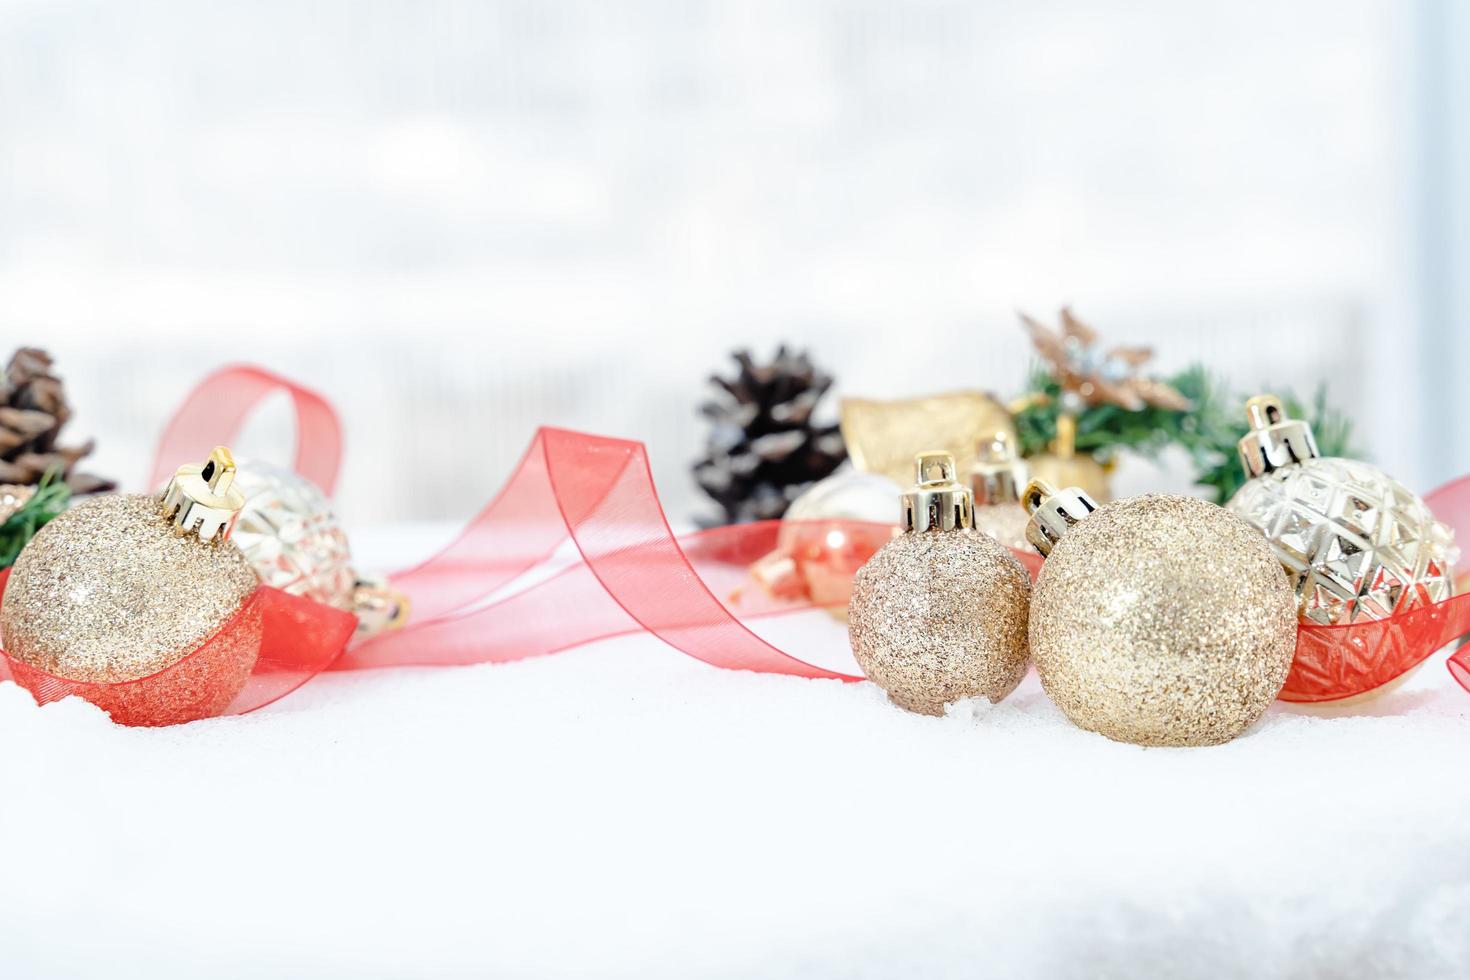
[[216, 410], [632, 574]]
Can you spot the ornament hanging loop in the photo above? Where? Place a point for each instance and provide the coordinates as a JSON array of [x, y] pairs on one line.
[[997, 476], [936, 502], [1275, 440], [202, 498], [1052, 512], [379, 608]]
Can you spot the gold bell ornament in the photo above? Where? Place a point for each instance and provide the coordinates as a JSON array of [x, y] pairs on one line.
[[1357, 545], [1062, 466], [122, 587], [290, 532], [939, 613], [996, 481], [1156, 620]]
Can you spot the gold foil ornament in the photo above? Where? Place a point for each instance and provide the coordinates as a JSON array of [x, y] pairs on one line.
[[1062, 466], [939, 613], [1356, 544], [884, 436], [122, 587], [1157, 620]]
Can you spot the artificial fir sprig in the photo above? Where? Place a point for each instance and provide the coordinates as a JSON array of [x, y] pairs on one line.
[[1208, 432], [51, 498]]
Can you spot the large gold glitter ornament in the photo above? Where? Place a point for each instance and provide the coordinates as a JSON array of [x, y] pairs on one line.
[[1157, 620], [939, 613], [1356, 544], [123, 587]]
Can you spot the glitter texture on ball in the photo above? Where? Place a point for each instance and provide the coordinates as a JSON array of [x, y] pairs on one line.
[[1162, 620], [939, 613], [933, 621], [110, 593]]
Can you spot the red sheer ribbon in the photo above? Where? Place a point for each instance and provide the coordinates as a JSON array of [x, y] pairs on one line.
[[632, 574], [589, 503], [216, 410]]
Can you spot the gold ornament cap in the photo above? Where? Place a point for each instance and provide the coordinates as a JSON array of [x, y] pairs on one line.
[[936, 502], [1275, 440], [1052, 512], [998, 475], [202, 498]]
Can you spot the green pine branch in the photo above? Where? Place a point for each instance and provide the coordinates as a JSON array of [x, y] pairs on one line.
[[1208, 432], [51, 498]]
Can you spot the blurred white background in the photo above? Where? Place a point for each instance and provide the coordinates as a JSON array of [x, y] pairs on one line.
[[463, 219]]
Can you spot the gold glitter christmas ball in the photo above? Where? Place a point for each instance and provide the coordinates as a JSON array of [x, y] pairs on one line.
[[1157, 620], [939, 613], [119, 589]]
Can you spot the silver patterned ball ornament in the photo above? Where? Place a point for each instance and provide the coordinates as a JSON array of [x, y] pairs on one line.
[[1356, 544], [291, 535]]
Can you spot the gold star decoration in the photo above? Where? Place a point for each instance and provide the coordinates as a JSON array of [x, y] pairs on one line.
[[1097, 376]]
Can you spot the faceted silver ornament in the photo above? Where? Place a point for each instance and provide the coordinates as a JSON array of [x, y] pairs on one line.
[[291, 535], [1357, 544]]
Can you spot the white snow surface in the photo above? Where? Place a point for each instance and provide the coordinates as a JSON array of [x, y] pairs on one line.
[[623, 811]]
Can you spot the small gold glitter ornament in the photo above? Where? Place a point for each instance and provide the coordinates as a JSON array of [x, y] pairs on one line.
[[289, 531], [122, 587], [996, 480], [939, 613], [1357, 544], [1157, 620]]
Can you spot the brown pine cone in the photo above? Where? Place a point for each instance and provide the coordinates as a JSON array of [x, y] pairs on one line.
[[33, 410], [763, 447]]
